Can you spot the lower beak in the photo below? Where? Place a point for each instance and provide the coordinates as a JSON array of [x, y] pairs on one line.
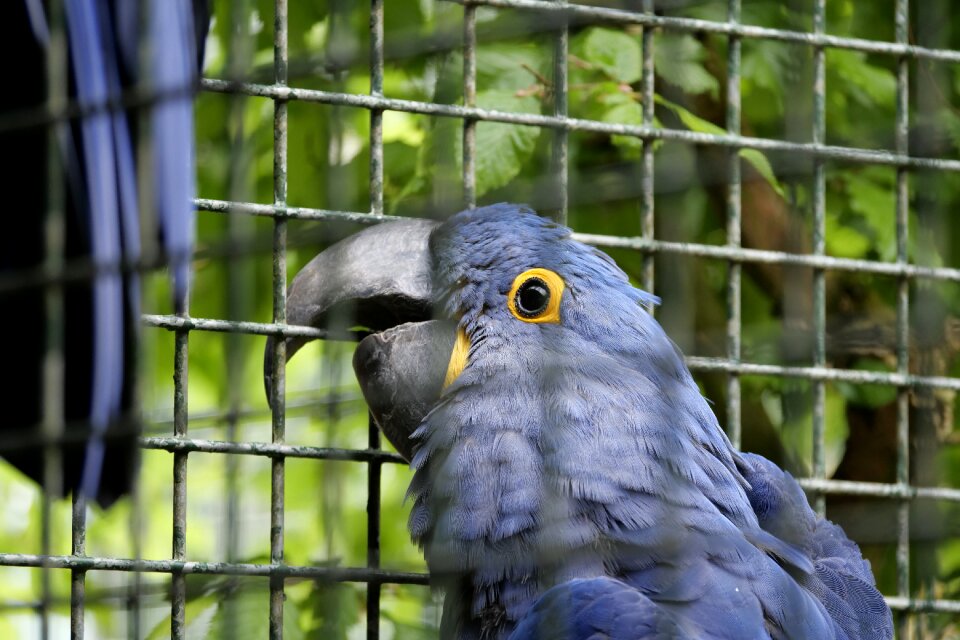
[[402, 371]]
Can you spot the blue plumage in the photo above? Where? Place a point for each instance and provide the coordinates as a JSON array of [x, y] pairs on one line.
[[573, 483]]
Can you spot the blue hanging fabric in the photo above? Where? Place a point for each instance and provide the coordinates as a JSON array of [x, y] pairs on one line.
[[119, 52]]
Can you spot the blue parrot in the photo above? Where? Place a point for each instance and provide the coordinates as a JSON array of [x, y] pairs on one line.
[[97, 157], [570, 480]]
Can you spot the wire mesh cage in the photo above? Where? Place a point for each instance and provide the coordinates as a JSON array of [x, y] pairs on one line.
[[781, 174]]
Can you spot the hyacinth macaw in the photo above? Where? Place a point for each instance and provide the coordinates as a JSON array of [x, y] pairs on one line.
[[112, 48], [570, 480]]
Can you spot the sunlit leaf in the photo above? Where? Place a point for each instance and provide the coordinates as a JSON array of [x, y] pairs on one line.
[[615, 52], [844, 241]]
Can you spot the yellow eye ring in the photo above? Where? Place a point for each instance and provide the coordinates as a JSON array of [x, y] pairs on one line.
[[535, 296]]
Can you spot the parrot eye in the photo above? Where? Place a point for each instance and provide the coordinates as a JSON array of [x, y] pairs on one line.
[[532, 297], [535, 296]]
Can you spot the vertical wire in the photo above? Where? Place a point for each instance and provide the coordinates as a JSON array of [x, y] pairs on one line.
[[733, 227], [54, 243], [78, 547], [181, 371], [469, 100], [278, 407], [178, 596], [376, 115], [559, 155], [376, 200], [819, 247], [373, 533], [903, 311], [135, 597], [647, 229]]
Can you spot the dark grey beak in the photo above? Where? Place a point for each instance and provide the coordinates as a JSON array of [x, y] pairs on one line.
[[380, 280]]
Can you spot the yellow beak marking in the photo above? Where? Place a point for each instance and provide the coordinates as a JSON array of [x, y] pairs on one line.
[[458, 358]]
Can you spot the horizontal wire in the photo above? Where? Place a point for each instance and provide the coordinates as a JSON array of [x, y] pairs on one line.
[[176, 323], [878, 489], [622, 16], [96, 563], [698, 363], [916, 605], [299, 213], [269, 450], [646, 132]]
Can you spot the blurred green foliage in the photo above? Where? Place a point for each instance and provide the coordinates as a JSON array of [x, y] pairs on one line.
[[329, 169]]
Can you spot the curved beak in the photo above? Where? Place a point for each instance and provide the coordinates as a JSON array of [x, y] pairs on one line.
[[380, 280]]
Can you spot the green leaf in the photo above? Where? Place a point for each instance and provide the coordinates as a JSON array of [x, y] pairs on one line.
[[503, 149], [315, 38], [598, 98], [679, 61], [399, 126], [866, 84], [845, 241], [869, 395], [871, 193], [764, 72], [242, 615], [331, 610], [510, 66], [616, 53], [755, 157], [625, 112], [246, 616], [948, 119], [759, 161], [797, 432], [197, 617], [691, 121]]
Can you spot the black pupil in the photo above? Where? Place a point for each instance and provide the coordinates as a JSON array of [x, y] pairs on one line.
[[532, 297]]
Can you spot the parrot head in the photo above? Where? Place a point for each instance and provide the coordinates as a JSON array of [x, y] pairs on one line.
[[491, 291]]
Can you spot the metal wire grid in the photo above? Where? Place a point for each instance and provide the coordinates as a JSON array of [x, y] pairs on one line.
[[181, 444]]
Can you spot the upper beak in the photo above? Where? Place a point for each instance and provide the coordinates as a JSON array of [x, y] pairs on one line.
[[379, 279]]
